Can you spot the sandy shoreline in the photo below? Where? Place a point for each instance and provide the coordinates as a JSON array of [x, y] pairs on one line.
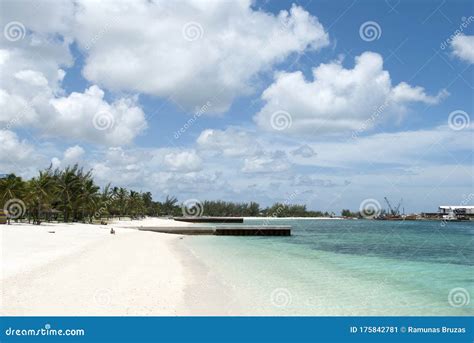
[[82, 269]]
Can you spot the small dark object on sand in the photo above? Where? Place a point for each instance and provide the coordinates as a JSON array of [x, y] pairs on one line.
[[51, 231], [112, 231]]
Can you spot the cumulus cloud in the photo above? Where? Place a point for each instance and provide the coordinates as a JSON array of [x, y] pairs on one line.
[[183, 161], [71, 156], [190, 51], [88, 116], [13, 149], [230, 142], [32, 67], [338, 99], [20, 156], [463, 47]]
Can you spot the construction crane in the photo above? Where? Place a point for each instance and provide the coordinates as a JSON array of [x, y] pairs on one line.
[[394, 211]]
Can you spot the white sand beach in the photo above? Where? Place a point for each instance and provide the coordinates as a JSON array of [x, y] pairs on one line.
[[81, 269]]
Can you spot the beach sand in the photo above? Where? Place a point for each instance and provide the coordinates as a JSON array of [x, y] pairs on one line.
[[82, 269]]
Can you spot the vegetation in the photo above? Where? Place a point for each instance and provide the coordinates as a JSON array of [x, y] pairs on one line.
[[71, 195], [348, 214]]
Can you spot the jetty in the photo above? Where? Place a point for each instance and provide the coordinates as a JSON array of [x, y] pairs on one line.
[[210, 219], [237, 230]]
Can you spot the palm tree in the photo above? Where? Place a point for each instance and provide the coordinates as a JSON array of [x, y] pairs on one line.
[[106, 201], [169, 205], [12, 188], [68, 184], [122, 200], [40, 192], [136, 207], [88, 198]]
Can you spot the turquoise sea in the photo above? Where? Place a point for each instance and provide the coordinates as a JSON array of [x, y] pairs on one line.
[[347, 267]]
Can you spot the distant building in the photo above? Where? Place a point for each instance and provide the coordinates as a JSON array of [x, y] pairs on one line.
[[456, 212]]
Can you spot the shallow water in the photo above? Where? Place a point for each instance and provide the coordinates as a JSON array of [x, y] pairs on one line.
[[348, 267]]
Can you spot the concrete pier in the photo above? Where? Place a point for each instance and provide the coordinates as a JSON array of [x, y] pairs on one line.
[[210, 219], [237, 230]]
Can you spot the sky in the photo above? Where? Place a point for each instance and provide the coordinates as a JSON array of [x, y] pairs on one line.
[[332, 104]]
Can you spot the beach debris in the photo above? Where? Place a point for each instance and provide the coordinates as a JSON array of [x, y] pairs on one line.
[[51, 231], [112, 231]]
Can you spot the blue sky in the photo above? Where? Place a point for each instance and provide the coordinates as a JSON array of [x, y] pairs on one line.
[[362, 117]]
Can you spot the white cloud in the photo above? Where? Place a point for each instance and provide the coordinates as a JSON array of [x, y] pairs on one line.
[[230, 142], [183, 161], [141, 46], [71, 156], [19, 156], [43, 17], [74, 153], [463, 47], [12, 149], [268, 162], [31, 93], [304, 151], [88, 116], [338, 99]]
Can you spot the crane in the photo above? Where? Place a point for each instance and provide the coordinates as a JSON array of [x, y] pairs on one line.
[[394, 211]]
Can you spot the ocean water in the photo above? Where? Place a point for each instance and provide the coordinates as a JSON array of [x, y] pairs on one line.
[[347, 267]]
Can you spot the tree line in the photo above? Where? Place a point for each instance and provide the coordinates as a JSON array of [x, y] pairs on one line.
[[71, 195]]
